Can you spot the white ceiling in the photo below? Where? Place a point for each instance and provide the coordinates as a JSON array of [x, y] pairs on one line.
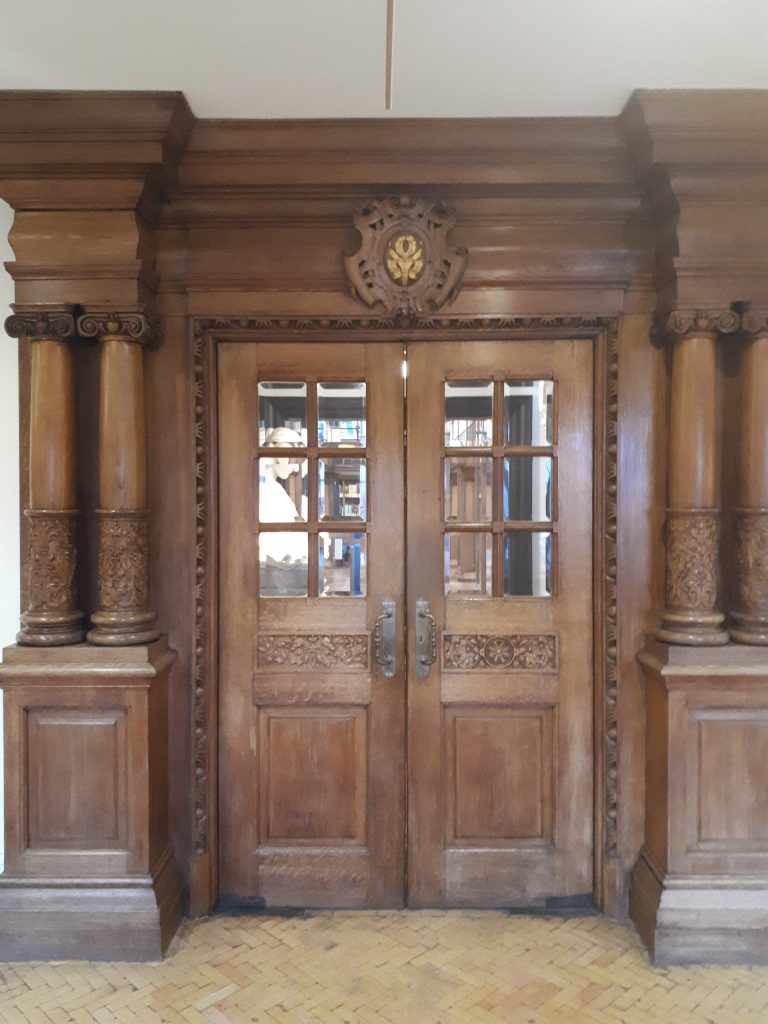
[[326, 58]]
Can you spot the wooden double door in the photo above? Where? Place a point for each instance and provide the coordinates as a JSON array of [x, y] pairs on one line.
[[406, 664]]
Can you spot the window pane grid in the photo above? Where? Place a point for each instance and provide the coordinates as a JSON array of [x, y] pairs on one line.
[[500, 488], [312, 479]]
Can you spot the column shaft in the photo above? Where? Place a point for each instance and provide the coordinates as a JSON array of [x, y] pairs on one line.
[[692, 580], [750, 620], [51, 617], [123, 617]]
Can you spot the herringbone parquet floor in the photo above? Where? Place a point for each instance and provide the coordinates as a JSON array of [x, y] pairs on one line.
[[424, 967]]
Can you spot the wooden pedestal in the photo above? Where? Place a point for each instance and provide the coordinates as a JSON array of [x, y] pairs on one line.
[[89, 871], [699, 891]]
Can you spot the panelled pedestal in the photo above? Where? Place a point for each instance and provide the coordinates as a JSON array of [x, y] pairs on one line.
[[90, 873], [699, 891]]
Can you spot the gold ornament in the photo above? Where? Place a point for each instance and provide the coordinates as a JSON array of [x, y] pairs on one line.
[[405, 259]]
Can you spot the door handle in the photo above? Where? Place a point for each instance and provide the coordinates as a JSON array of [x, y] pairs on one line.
[[426, 637], [384, 638]]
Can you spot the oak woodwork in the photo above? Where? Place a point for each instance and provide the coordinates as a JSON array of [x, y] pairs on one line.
[[698, 889], [88, 866], [236, 229], [691, 612], [750, 618], [123, 616], [51, 617]]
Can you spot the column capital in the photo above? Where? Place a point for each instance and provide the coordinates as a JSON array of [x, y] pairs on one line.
[[755, 321], [681, 323], [39, 323], [115, 324]]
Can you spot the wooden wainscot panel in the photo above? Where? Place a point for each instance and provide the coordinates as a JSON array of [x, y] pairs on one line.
[[77, 778]]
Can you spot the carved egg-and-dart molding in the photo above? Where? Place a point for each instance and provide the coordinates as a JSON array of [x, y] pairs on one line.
[[404, 261]]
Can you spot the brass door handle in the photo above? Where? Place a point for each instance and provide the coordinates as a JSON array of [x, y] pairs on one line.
[[426, 638], [384, 638]]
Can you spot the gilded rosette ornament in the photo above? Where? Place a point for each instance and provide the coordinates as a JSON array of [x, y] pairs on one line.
[[404, 261]]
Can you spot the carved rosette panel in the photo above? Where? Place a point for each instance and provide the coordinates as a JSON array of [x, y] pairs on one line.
[[127, 326], [52, 325], [752, 560], [123, 561], [523, 652], [52, 560], [404, 261], [312, 651], [692, 559]]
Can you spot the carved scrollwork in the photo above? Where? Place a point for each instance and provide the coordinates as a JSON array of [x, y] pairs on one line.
[[422, 325], [754, 322], [53, 325], [123, 561], [524, 652], [682, 322], [404, 261], [752, 559], [52, 559], [609, 630], [110, 323], [312, 651], [202, 696], [692, 544]]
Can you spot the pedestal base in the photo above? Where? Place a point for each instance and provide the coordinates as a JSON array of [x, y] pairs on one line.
[[131, 919], [686, 920], [90, 874], [699, 892]]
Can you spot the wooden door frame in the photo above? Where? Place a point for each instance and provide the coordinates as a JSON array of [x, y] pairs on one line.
[[207, 332]]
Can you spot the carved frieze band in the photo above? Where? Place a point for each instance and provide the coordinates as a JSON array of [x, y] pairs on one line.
[[202, 696], [52, 560], [123, 560], [420, 325], [312, 650], [53, 325], [609, 625], [692, 560], [524, 652], [752, 559], [127, 326]]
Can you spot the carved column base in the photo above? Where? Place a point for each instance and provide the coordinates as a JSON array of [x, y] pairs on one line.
[[51, 620], [750, 622], [123, 618], [691, 616]]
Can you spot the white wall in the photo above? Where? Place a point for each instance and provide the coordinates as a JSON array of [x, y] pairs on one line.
[[9, 472]]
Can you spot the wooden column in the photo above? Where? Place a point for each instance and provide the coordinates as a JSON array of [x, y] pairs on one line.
[[123, 617], [691, 614], [51, 618], [750, 620]]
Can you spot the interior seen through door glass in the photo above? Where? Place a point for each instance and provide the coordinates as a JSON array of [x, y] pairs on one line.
[[283, 489], [468, 564], [527, 563], [527, 487], [342, 565], [468, 490], [341, 415], [468, 413], [342, 488], [283, 564], [528, 409], [282, 414]]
